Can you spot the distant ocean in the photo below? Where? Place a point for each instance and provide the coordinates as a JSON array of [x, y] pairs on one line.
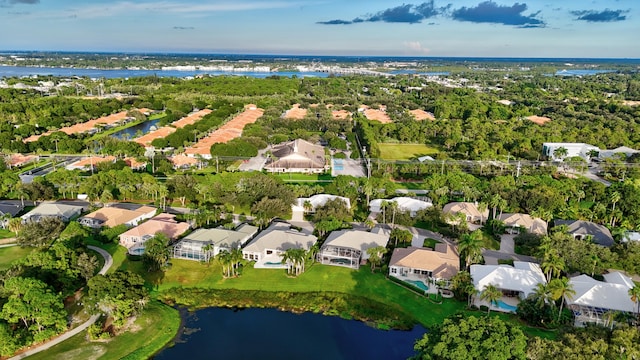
[[344, 59]]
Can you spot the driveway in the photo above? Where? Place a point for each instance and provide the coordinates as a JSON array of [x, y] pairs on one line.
[[108, 261], [507, 244], [491, 257], [255, 163]]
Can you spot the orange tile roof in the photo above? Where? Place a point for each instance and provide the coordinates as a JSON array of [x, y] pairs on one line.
[[340, 114], [146, 139], [227, 132], [191, 119], [182, 160], [295, 112], [133, 163], [89, 125], [19, 159], [420, 114], [88, 161], [540, 120], [378, 115]]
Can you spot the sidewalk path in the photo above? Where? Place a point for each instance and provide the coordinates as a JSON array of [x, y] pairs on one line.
[[108, 261]]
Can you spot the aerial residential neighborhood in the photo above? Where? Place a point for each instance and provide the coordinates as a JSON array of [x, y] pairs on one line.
[[411, 202]]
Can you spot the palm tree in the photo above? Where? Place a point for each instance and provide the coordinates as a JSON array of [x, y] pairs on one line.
[[394, 207], [496, 201], [560, 152], [614, 198], [543, 214], [542, 294], [369, 224], [491, 294], [482, 207], [224, 257], [207, 252], [308, 207], [634, 293], [375, 256], [463, 284], [553, 265], [470, 247], [367, 190], [236, 258], [561, 289]]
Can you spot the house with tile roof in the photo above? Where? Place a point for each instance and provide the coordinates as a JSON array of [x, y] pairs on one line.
[[114, 216], [424, 264], [515, 222], [470, 210], [587, 230], [134, 238], [297, 156]]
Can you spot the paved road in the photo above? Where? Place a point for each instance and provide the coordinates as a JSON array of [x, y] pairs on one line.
[[108, 261], [507, 244]]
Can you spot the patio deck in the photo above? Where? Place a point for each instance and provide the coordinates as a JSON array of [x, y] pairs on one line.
[[270, 262]]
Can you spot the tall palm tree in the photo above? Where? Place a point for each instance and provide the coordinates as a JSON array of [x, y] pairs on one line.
[[634, 293], [553, 265], [224, 258], [375, 256], [470, 247], [491, 294], [561, 289], [614, 198], [543, 214], [542, 294]]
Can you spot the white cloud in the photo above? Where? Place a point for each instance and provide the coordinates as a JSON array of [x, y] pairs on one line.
[[416, 47]]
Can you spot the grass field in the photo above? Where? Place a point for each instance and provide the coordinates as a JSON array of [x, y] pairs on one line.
[[4, 234], [405, 151], [292, 177], [11, 254], [318, 278], [157, 325]]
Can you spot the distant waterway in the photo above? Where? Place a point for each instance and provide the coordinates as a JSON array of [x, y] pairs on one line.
[[26, 71], [220, 333], [582, 72], [144, 128]]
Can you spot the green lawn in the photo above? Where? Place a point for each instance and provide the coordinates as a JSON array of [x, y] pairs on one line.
[[294, 177], [5, 234], [11, 254], [405, 151], [151, 331]]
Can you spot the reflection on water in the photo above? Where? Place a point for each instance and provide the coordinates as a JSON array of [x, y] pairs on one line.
[[222, 333]]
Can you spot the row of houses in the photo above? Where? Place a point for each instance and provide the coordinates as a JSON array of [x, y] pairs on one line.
[[592, 302]]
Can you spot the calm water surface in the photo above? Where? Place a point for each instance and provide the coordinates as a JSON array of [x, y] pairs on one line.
[[219, 333], [144, 127]]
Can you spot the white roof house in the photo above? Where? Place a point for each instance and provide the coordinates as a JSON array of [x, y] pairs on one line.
[[63, 212], [627, 151], [595, 298], [266, 248], [520, 279], [319, 200], [349, 247], [405, 204], [573, 149]]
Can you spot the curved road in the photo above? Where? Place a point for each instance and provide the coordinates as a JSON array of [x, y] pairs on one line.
[[108, 261]]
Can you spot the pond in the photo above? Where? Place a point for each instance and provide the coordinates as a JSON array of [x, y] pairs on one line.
[[144, 128], [222, 333]]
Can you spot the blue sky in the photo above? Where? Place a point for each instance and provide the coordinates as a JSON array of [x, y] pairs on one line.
[[494, 28]]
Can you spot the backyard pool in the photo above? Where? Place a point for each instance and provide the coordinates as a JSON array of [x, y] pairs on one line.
[[419, 284], [504, 306]]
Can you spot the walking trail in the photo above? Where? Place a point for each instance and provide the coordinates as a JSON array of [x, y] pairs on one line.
[[108, 261]]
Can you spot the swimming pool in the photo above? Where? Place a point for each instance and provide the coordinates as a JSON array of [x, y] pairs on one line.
[[419, 284], [504, 306]]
